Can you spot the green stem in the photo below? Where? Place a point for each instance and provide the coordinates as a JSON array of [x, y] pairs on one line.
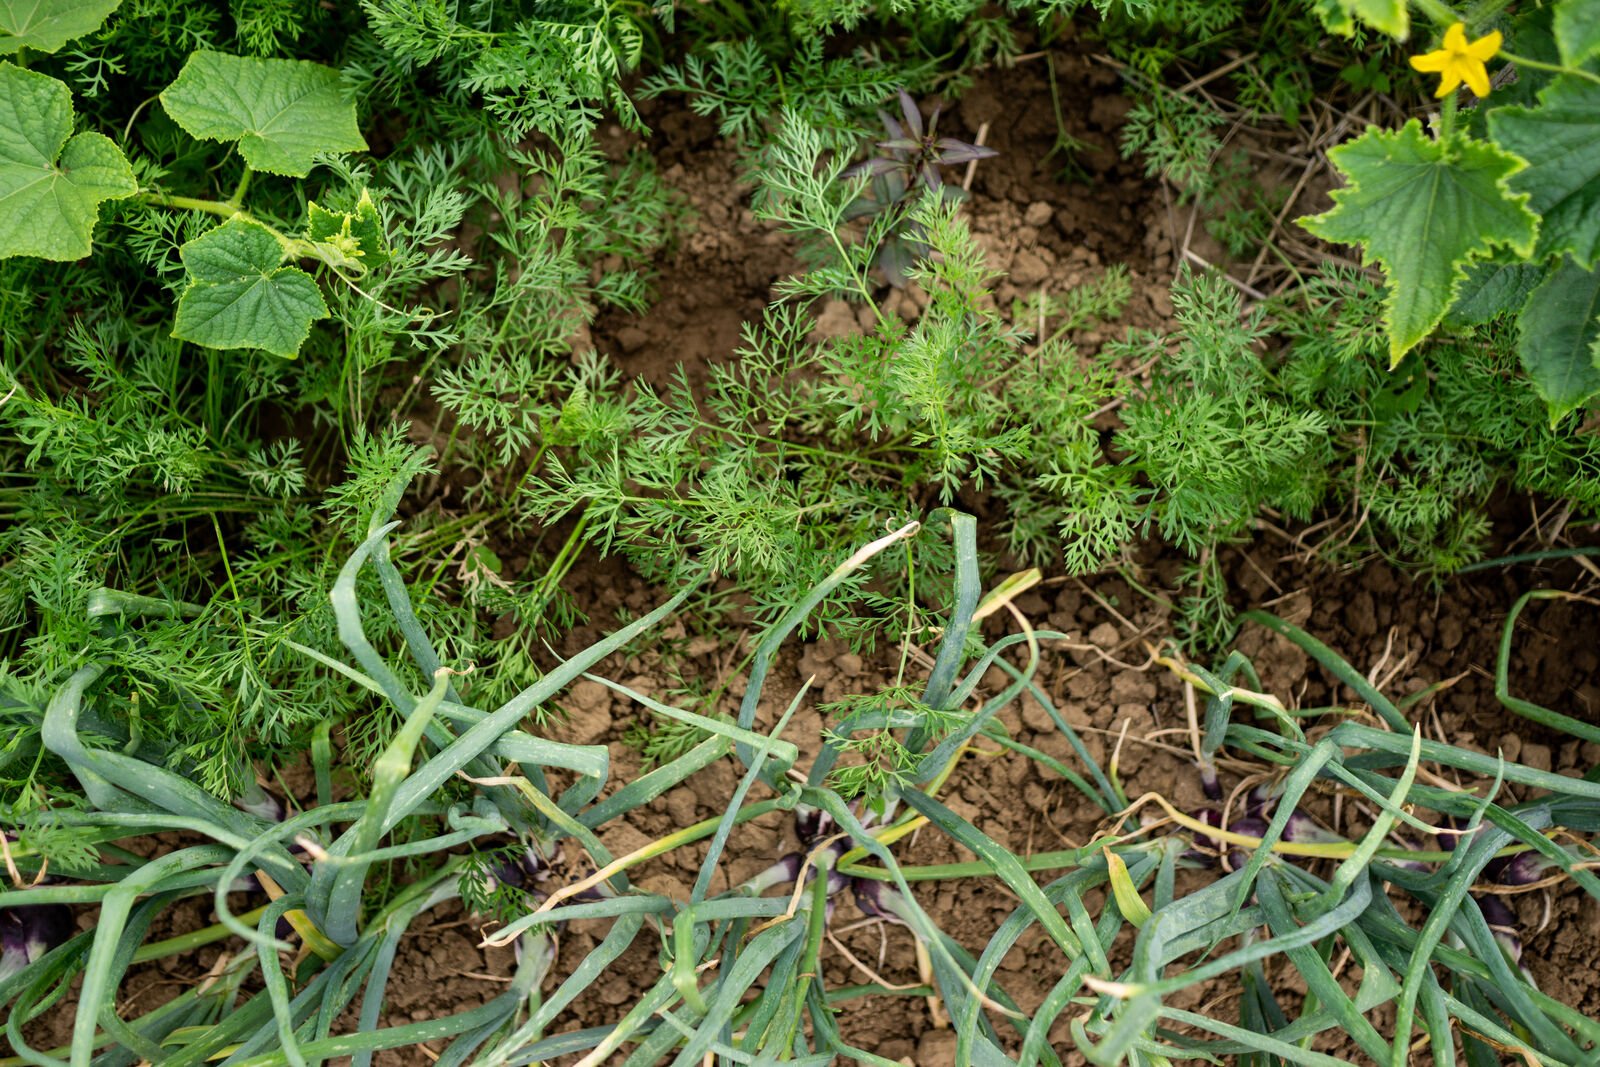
[[189, 203], [237, 199], [1553, 68], [562, 564], [1554, 720], [1447, 116], [1076, 857], [698, 832], [810, 959], [533, 465]]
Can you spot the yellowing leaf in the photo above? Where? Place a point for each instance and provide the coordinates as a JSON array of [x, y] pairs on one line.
[[357, 234], [1129, 902], [281, 111], [1387, 16], [46, 25], [241, 295], [51, 181], [1424, 211]]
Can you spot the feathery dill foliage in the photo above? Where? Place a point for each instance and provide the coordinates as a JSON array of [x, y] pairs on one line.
[[741, 86], [188, 571], [1427, 445], [1222, 431], [173, 517], [164, 510], [500, 68], [540, 288], [800, 443]]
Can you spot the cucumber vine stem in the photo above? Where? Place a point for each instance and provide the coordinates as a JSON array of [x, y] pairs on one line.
[[237, 199], [188, 203]]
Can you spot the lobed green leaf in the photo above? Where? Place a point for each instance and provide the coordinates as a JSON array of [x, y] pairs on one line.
[[1341, 16], [46, 25], [281, 112], [1577, 31], [242, 295], [1424, 210], [52, 181], [1560, 141], [1558, 337]]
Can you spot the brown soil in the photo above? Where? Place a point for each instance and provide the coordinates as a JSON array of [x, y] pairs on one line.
[[719, 275]]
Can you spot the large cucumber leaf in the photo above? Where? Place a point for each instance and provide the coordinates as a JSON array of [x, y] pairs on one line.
[[1558, 338], [242, 295], [281, 111], [1577, 25], [1424, 210], [51, 181], [1560, 140], [1491, 290], [46, 25]]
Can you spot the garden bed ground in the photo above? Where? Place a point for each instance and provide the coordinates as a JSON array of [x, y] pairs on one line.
[[718, 275], [1407, 636]]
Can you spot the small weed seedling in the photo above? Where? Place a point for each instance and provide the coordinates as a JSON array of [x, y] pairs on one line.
[[909, 168]]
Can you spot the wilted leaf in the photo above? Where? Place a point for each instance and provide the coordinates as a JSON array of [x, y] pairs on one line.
[[281, 111], [1132, 906], [241, 295], [51, 181]]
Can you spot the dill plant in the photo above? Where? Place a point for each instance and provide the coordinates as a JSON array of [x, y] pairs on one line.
[[798, 441], [1428, 447]]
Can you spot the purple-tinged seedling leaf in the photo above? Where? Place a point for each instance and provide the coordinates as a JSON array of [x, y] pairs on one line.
[[875, 899], [1303, 829], [908, 108], [1524, 868], [1204, 848], [954, 151], [871, 168], [1261, 799], [1248, 826]]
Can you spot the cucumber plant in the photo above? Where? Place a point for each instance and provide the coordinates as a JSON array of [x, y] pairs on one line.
[[245, 286]]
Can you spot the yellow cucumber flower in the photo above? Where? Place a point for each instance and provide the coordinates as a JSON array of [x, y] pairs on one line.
[[1460, 60]]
